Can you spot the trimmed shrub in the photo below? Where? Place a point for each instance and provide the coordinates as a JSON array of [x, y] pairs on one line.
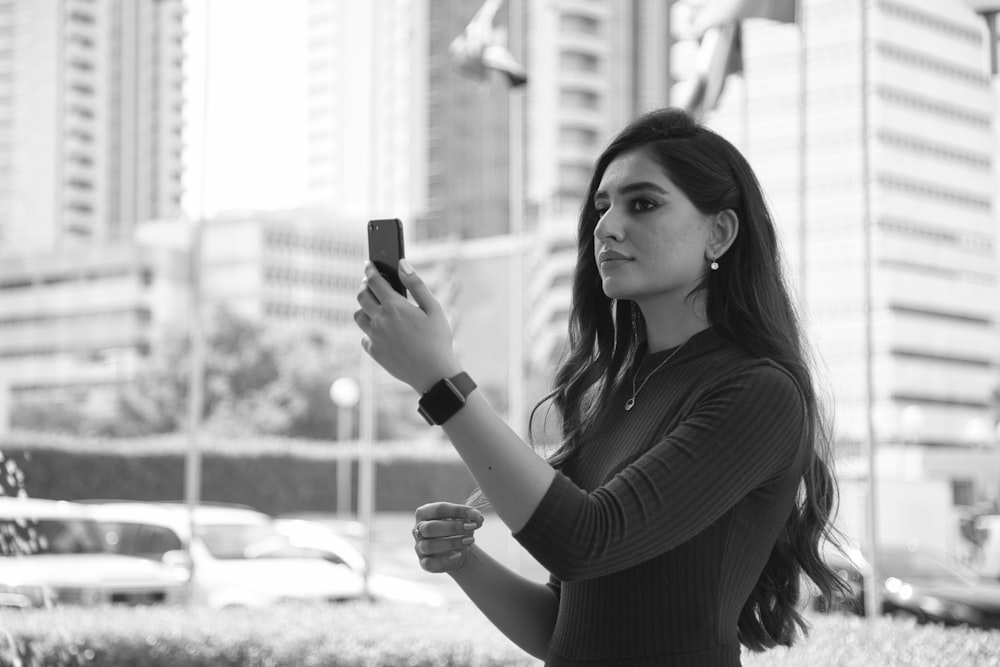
[[272, 475], [395, 634]]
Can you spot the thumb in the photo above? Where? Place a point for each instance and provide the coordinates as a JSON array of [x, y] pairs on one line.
[[421, 293]]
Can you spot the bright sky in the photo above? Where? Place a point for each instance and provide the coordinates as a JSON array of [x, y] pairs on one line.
[[255, 146]]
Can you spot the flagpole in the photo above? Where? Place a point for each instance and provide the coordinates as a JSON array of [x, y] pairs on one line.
[[871, 585], [196, 376], [515, 336], [515, 400], [803, 151]]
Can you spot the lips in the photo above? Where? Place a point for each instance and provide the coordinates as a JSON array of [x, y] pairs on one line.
[[606, 256]]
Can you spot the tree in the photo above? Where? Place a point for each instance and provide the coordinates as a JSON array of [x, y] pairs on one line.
[[258, 380]]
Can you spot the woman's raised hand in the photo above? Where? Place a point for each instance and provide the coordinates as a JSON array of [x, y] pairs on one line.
[[412, 342], [443, 535]]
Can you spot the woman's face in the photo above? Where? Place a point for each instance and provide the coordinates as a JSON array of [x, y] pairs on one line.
[[650, 241]]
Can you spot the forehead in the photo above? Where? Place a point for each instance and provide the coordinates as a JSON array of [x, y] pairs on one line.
[[633, 167]]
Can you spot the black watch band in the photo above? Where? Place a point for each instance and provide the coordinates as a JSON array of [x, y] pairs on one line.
[[440, 403]]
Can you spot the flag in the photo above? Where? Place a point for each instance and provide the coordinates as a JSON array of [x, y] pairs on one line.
[[721, 12], [988, 10], [718, 26], [483, 46]]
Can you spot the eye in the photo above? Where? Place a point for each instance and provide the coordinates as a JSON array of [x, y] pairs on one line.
[[641, 205]]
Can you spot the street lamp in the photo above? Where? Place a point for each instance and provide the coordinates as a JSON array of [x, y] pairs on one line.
[[345, 394]]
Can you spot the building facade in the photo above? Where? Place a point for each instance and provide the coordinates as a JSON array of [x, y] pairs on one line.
[[90, 118], [889, 198], [285, 267], [365, 63], [76, 324]]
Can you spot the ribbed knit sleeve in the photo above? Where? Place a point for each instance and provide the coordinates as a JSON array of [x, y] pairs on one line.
[[742, 430]]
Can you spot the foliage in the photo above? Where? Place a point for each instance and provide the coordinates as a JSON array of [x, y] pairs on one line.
[[384, 634], [259, 379], [355, 634]]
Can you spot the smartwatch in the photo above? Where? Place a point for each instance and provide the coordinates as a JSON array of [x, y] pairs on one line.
[[440, 403]]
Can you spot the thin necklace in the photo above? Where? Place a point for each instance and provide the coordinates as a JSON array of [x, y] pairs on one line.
[[635, 392]]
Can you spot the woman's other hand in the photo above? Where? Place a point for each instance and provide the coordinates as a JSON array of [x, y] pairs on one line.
[[443, 534], [412, 342]]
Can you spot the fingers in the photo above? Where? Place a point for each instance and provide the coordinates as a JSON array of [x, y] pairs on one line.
[[377, 285], [443, 534], [443, 528], [442, 510], [421, 293]]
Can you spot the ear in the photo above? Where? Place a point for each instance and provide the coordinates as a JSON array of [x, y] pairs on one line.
[[725, 227]]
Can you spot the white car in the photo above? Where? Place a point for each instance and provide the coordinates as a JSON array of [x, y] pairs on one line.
[[237, 557], [52, 553]]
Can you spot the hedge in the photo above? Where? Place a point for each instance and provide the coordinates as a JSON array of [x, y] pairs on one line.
[[273, 475], [383, 634]]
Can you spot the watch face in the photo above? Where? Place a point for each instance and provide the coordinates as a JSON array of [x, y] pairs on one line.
[[441, 402]]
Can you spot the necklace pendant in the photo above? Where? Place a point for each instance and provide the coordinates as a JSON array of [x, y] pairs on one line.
[[629, 403]]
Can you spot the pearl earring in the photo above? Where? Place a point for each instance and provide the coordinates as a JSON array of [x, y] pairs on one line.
[[714, 265]]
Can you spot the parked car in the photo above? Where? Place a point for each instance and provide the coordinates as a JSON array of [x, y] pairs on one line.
[[237, 557], [52, 553], [917, 584], [322, 539]]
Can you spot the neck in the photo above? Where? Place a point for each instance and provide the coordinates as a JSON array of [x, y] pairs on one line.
[[669, 325]]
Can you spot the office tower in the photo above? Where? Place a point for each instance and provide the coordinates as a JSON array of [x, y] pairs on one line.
[[467, 135], [90, 118], [899, 199], [364, 118], [594, 66]]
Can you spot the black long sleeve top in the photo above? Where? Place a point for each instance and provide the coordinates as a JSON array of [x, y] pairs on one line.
[[657, 529]]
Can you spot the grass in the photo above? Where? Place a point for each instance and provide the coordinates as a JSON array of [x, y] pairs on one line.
[[405, 635]]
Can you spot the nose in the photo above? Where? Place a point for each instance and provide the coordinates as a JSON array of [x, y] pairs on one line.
[[609, 227]]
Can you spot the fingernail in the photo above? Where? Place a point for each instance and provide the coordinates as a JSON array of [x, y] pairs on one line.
[[405, 267], [469, 525], [468, 540], [472, 514], [455, 556]]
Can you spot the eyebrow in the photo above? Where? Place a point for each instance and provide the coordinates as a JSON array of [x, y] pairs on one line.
[[632, 187]]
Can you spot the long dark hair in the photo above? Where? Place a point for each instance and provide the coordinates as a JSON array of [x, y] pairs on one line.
[[747, 301]]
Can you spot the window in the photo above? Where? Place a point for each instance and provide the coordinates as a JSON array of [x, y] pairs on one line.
[[579, 25], [574, 61], [963, 492], [143, 540], [577, 136], [574, 98]]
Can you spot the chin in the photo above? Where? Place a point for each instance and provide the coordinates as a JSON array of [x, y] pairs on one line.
[[613, 291]]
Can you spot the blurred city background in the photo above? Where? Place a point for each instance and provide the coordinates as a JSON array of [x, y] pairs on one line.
[[184, 188]]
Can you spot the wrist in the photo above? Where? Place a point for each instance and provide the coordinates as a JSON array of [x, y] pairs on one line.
[[445, 398], [423, 385]]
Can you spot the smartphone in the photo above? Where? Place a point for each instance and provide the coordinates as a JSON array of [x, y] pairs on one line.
[[385, 249]]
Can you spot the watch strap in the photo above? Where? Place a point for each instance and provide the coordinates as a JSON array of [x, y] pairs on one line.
[[446, 397]]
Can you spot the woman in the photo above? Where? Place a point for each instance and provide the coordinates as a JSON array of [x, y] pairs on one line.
[[690, 491]]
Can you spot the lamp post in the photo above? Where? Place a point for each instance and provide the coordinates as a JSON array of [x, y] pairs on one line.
[[345, 394]]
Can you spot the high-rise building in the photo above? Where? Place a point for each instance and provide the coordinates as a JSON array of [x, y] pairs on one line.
[[364, 117], [594, 66], [896, 201], [90, 118], [467, 136]]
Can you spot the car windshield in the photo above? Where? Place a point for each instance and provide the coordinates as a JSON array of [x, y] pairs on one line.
[[232, 541], [912, 565], [52, 536]]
